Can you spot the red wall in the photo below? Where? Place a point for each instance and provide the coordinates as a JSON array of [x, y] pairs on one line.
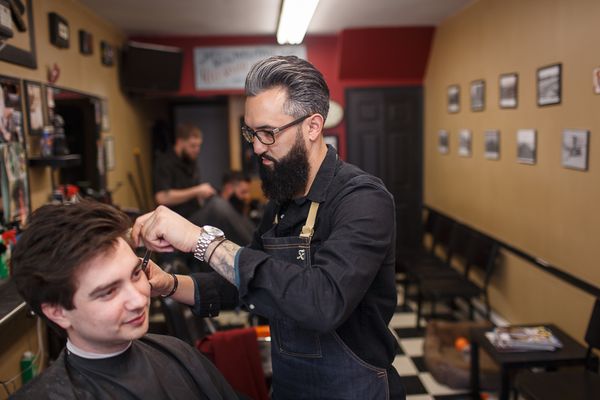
[[373, 57]]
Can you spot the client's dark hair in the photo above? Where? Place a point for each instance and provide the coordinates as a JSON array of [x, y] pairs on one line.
[[57, 242]]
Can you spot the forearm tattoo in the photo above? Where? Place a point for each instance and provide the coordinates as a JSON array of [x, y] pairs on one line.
[[223, 258]]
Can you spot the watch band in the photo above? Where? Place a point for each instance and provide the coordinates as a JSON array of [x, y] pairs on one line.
[[204, 240]]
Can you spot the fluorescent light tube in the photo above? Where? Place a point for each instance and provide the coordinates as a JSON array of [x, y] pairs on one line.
[[294, 19]]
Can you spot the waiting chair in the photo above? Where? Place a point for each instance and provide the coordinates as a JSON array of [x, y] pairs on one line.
[[573, 384], [481, 252], [441, 234]]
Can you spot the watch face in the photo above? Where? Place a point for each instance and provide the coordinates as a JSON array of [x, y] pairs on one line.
[[211, 230]]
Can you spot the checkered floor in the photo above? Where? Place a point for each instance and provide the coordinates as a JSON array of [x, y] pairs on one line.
[[418, 382]]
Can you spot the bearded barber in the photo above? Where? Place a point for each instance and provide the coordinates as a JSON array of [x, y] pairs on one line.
[[321, 264], [176, 179]]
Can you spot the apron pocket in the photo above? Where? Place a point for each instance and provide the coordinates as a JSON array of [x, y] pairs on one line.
[[296, 341]]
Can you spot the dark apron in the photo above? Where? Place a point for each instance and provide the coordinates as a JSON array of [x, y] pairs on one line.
[[306, 364]]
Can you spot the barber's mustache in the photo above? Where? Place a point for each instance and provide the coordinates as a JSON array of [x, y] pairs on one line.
[[268, 157]]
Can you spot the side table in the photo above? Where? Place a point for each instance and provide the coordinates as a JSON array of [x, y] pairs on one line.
[[572, 353]]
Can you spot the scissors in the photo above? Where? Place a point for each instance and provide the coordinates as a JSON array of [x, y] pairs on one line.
[[146, 259]]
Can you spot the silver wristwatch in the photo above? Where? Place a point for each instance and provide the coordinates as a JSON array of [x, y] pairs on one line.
[[209, 234]]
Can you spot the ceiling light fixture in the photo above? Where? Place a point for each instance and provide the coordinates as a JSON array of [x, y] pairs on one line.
[[294, 19]]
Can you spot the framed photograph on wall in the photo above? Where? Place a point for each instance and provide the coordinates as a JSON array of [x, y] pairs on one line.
[[508, 89], [596, 80], [478, 95], [11, 111], [443, 141], [453, 98], [34, 105], [526, 146], [332, 140], [107, 54], [575, 149], [492, 144], [549, 85], [86, 42], [465, 140]]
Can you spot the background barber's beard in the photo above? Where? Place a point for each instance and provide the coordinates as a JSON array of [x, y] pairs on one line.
[[187, 159], [288, 176]]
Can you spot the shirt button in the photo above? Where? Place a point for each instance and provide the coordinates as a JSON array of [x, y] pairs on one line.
[[252, 306]]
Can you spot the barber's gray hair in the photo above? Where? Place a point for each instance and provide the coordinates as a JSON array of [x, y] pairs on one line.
[[307, 90]]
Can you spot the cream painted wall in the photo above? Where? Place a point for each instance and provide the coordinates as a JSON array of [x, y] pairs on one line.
[[128, 123], [546, 210]]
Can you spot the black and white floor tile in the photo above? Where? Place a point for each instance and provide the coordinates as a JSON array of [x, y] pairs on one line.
[[418, 382]]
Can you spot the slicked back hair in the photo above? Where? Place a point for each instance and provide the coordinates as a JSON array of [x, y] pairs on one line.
[[57, 243], [307, 90]]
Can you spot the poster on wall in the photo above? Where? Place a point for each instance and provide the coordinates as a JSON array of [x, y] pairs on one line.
[[11, 111], [35, 107], [14, 183], [226, 67]]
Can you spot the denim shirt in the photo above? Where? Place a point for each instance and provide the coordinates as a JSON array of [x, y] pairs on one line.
[[350, 287]]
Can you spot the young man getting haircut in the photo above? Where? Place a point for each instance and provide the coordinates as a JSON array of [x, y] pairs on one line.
[[75, 267]]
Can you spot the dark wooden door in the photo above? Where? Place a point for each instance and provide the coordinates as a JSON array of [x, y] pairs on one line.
[[212, 119], [385, 138]]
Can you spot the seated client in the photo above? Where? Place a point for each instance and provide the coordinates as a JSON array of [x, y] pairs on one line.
[[75, 267]]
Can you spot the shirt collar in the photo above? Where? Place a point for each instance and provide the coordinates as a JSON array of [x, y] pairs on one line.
[[318, 189], [71, 348]]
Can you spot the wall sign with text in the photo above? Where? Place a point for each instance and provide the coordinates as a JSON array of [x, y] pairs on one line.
[[226, 67]]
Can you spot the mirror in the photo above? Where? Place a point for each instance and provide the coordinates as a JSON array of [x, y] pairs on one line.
[[75, 117]]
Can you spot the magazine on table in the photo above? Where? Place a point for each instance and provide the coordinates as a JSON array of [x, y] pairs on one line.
[[529, 338]]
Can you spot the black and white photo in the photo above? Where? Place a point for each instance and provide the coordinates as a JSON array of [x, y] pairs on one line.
[[492, 144], [477, 95], [508, 90], [443, 141], [526, 146], [453, 98], [549, 85], [464, 142], [575, 149]]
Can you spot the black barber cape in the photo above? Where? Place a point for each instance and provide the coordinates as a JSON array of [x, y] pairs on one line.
[[154, 367]]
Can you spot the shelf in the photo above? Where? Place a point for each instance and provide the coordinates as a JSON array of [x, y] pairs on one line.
[[71, 160]]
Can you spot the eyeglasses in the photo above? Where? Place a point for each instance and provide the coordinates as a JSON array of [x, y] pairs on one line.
[[267, 135]]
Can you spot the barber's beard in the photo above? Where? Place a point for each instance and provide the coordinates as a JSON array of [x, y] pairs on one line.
[[288, 176]]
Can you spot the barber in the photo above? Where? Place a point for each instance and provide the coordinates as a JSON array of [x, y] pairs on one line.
[[321, 265]]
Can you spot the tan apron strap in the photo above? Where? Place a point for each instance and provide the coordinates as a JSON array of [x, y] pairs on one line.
[[308, 228]]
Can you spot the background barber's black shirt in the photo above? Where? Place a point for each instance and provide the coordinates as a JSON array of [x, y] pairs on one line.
[[171, 172]]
